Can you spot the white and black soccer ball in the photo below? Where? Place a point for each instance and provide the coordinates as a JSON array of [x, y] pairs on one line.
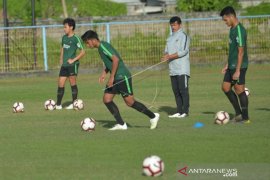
[[247, 91], [153, 166], [88, 124], [49, 104], [78, 104], [18, 107], [222, 117]]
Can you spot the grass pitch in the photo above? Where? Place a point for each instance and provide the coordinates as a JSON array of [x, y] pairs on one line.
[[39, 144]]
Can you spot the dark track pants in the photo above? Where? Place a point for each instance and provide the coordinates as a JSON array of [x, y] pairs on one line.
[[180, 90]]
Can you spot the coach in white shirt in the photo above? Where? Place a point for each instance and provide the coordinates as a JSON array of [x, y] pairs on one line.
[[177, 55]]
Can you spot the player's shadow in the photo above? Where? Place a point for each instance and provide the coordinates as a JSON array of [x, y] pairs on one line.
[[263, 109], [111, 123], [67, 103], [167, 109], [106, 123], [208, 112]]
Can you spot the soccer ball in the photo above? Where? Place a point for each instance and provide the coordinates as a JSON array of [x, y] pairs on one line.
[[49, 104], [247, 91], [222, 117], [153, 166], [88, 124], [78, 104], [18, 107]]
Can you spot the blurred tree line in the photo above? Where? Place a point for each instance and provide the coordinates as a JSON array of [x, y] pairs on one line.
[[205, 5], [45, 9]]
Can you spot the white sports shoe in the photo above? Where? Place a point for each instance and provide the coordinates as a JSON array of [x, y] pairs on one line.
[[176, 115], [69, 107], [119, 127], [154, 121], [183, 115], [58, 107]]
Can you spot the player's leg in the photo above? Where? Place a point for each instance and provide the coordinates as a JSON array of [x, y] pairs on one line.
[[74, 88], [61, 87], [125, 88], [73, 71], [111, 106], [227, 89], [240, 91], [182, 82], [131, 102]]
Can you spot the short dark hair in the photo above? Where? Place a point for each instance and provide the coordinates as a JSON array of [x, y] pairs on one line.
[[89, 35], [175, 19], [70, 22], [227, 11]]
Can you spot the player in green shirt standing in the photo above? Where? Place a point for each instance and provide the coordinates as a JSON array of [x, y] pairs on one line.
[[235, 70], [69, 62], [120, 81]]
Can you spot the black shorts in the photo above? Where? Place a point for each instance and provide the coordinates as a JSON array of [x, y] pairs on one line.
[[122, 86], [228, 77], [67, 71]]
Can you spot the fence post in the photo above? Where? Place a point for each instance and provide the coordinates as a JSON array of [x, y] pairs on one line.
[[108, 33], [44, 48]]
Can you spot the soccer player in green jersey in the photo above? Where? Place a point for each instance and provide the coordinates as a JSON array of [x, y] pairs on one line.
[[69, 62], [120, 81], [235, 70]]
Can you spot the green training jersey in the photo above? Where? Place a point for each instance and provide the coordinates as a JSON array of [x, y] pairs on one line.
[[106, 51], [70, 46], [237, 38]]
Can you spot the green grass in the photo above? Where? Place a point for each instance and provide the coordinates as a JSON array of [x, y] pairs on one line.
[[39, 144]]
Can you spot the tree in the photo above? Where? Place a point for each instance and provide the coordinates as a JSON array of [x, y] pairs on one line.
[[64, 8]]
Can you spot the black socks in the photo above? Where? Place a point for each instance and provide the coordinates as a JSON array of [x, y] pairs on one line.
[[244, 105], [115, 112], [60, 94], [141, 108], [234, 101], [74, 91]]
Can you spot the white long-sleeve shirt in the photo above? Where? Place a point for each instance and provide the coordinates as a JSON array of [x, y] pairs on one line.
[[178, 42]]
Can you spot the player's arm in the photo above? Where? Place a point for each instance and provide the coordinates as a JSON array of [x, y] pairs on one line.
[[61, 56], [103, 75], [81, 54], [78, 57], [241, 33], [223, 71], [115, 62], [239, 62]]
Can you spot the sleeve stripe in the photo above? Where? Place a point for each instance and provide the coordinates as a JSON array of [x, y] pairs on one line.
[[106, 50], [185, 42], [239, 36], [79, 41]]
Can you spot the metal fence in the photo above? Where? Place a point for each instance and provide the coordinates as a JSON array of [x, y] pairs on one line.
[[35, 48]]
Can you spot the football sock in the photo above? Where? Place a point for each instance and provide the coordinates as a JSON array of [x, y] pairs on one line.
[[60, 94], [234, 101], [115, 112], [244, 105], [74, 90], [141, 108]]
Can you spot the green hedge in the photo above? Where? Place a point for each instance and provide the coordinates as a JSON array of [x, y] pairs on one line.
[[204, 5], [53, 9], [261, 9]]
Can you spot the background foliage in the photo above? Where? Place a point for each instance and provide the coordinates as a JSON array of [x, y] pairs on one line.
[[53, 9], [204, 5], [261, 9]]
